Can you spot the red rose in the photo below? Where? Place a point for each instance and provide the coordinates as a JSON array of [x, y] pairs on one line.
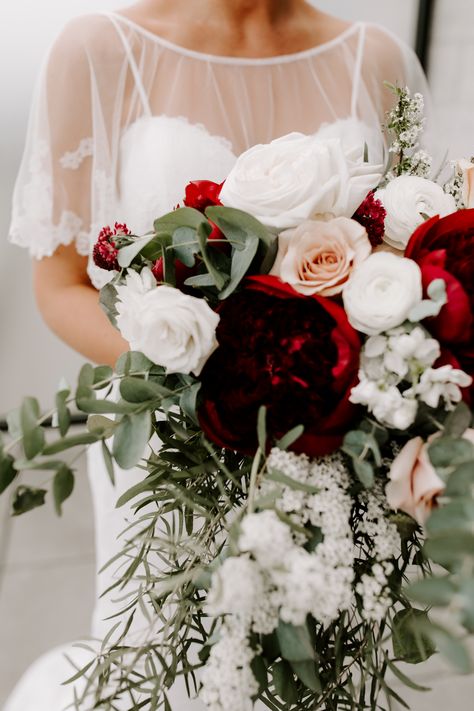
[[444, 249], [297, 355], [181, 271], [201, 194]]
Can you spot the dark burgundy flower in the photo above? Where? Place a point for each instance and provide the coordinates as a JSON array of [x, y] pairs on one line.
[[297, 355], [371, 215], [444, 249], [105, 251]]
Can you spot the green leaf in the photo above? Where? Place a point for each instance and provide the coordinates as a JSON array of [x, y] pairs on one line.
[[108, 301], [241, 261], [281, 478], [461, 480], [308, 674], [365, 472], [200, 280], [63, 413], [63, 486], [14, 423], [127, 254], [86, 376], [259, 671], [183, 217], [33, 434], [7, 471], [237, 225], [452, 649], [188, 402], [295, 642], [137, 390], [457, 515], [69, 442], [284, 682], [448, 452], [290, 438], [130, 439], [437, 592], [458, 421], [108, 461], [101, 426], [133, 362], [27, 498], [466, 598], [262, 427], [410, 645], [185, 245], [103, 374], [220, 279], [405, 679], [449, 547]]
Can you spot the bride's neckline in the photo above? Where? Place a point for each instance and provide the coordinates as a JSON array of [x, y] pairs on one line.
[[223, 59]]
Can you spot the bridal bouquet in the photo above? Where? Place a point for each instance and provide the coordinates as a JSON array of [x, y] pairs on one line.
[[298, 397]]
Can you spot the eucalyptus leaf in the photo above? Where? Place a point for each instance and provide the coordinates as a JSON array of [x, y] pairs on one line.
[[200, 280], [27, 498], [127, 254], [436, 592], [281, 478], [451, 648], [66, 443], [237, 225], [449, 452], [188, 402], [100, 425], [63, 486], [137, 390], [448, 547], [33, 434], [133, 362], [365, 472], [295, 642], [185, 245], [62, 412], [182, 217], [8, 472], [108, 300], [290, 438], [130, 439], [458, 420], [262, 428], [410, 644], [241, 261], [220, 279], [456, 515]]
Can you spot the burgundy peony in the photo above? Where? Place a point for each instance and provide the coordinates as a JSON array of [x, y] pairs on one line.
[[297, 355], [371, 215], [105, 251], [444, 249]]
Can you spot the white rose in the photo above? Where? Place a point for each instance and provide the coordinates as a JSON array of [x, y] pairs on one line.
[[297, 178], [408, 200], [170, 328], [381, 292]]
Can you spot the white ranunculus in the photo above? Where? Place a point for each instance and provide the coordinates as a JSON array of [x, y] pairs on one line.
[[170, 328], [381, 292], [408, 200], [297, 178]]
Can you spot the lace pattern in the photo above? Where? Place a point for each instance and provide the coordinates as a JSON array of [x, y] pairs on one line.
[[72, 160]]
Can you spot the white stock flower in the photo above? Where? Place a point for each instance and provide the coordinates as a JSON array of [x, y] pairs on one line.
[[170, 328], [408, 200], [381, 292], [298, 177], [387, 404], [443, 383]]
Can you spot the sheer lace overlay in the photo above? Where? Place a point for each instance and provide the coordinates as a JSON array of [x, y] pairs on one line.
[[122, 119]]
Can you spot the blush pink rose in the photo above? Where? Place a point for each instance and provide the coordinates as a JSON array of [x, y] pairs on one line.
[[414, 485], [317, 257]]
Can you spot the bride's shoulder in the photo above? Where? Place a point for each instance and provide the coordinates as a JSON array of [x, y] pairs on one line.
[[84, 38], [387, 56]]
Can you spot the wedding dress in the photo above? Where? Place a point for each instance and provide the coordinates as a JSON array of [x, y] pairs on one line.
[[122, 119]]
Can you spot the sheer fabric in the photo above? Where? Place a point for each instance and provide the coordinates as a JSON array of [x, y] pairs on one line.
[[122, 119]]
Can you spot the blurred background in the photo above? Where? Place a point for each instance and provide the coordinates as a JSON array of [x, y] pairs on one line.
[[46, 563]]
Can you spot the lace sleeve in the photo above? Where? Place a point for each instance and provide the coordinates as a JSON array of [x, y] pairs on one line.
[[64, 189]]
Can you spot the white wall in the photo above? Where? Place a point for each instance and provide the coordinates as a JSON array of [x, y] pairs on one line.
[[31, 358]]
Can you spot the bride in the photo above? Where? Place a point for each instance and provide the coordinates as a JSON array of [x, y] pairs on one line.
[[131, 106]]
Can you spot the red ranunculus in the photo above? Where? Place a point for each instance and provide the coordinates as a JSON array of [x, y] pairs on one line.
[[297, 355], [444, 249]]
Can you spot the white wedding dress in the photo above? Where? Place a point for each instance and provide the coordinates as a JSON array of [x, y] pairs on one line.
[[121, 121]]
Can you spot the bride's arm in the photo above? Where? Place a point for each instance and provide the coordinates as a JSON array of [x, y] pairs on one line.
[[70, 307]]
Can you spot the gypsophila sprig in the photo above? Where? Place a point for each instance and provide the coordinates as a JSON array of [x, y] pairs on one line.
[[406, 122]]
